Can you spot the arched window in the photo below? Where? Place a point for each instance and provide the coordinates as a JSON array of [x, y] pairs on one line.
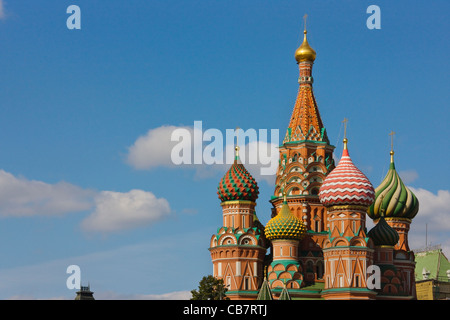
[[319, 270], [246, 283], [317, 225]]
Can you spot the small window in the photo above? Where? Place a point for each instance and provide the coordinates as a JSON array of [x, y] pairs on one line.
[[317, 225], [357, 281], [246, 283]]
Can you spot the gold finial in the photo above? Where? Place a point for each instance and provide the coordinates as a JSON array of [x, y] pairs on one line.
[[237, 143], [392, 145], [345, 132], [382, 212], [305, 52]]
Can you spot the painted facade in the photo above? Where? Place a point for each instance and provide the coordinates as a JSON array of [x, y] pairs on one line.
[[316, 244]]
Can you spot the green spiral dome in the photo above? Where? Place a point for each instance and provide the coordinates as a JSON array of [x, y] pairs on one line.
[[393, 197]]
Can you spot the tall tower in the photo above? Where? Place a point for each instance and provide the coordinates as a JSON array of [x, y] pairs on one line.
[[399, 206], [305, 160], [347, 193], [239, 246]]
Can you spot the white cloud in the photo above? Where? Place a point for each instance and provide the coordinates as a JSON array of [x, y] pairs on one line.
[[154, 148], [431, 226], [408, 176], [23, 197], [116, 211], [207, 152], [110, 211], [434, 209], [2, 10]]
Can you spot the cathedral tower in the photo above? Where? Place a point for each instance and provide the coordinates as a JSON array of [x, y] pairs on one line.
[[398, 205], [347, 193], [239, 246], [305, 160]]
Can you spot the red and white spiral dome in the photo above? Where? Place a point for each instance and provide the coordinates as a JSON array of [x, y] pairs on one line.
[[346, 185]]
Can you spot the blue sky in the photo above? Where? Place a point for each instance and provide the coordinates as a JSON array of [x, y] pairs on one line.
[[84, 171]]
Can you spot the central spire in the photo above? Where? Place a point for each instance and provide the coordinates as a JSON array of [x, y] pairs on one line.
[[306, 123]]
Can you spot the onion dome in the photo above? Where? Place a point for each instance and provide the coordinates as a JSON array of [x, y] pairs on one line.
[[285, 225], [383, 235], [237, 183], [393, 197], [305, 52], [346, 185]]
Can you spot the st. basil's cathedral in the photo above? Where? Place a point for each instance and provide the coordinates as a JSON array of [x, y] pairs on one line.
[[316, 244]]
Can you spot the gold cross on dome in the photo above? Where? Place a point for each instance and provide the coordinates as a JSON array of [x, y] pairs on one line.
[[345, 127], [304, 19], [392, 140]]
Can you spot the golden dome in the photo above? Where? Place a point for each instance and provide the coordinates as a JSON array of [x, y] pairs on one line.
[[285, 225], [305, 52]]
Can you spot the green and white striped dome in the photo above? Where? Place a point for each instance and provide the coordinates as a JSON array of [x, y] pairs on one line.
[[393, 197]]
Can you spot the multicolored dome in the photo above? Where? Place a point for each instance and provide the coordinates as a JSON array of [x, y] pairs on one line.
[[346, 185], [237, 184], [393, 197], [285, 226], [383, 235]]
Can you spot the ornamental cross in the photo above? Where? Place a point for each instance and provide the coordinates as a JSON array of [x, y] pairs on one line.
[[392, 140], [345, 127], [304, 19]]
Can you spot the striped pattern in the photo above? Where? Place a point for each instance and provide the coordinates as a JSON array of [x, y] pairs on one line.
[[394, 198], [346, 185], [383, 235], [237, 184]]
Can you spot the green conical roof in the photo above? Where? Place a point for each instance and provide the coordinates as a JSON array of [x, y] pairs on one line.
[[284, 294], [264, 292]]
